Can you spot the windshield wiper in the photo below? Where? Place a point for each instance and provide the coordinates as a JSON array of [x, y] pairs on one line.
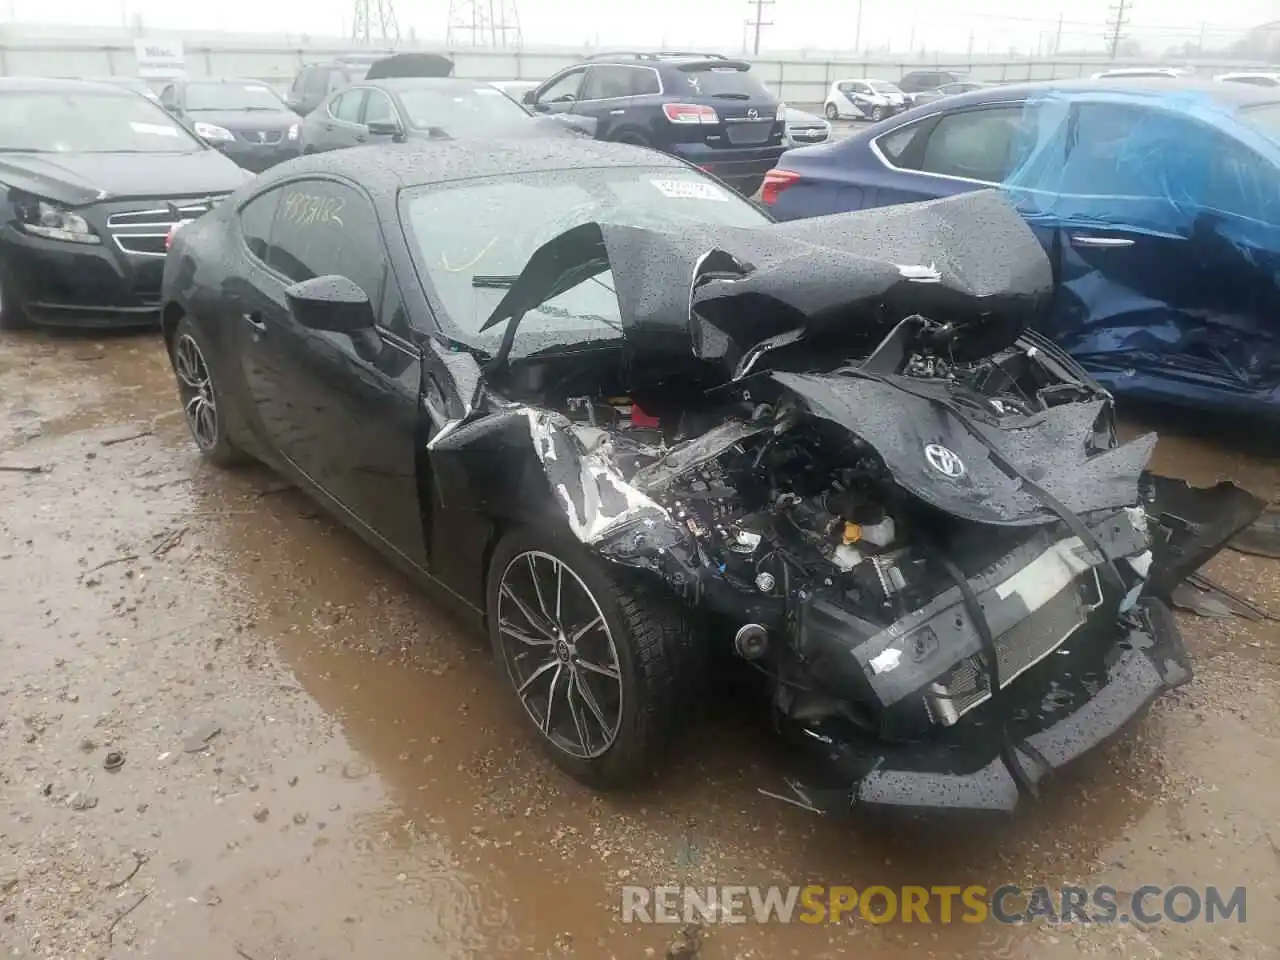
[[731, 96], [494, 281]]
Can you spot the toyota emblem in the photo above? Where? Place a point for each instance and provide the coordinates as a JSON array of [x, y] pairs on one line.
[[262, 136], [946, 462], [753, 114]]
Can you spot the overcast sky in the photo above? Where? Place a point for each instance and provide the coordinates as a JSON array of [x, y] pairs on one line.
[[994, 25]]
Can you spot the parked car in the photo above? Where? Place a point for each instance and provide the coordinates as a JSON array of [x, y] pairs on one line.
[[804, 129], [917, 82], [425, 108], [1254, 79], [707, 109], [1141, 73], [401, 65], [314, 82], [244, 119], [93, 176], [863, 100], [465, 351], [1158, 201], [136, 84], [948, 90]]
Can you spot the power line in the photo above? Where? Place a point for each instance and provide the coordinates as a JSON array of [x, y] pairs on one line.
[[1116, 25], [375, 21], [759, 20], [485, 23]]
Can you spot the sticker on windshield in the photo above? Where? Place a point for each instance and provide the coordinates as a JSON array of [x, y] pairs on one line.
[[157, 129], [689, 190]]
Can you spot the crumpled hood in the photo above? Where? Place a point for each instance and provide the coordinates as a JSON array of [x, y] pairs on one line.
[[717, 291]]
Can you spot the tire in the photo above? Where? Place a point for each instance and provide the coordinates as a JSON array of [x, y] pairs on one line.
[[615, 733], [12, 316], [831, 112], [877, 114], [204, 407], [635, 139]]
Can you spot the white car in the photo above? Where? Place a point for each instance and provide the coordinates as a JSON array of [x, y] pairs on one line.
[[1135, 73], [1253, 79], [804, 129], [864, 99]]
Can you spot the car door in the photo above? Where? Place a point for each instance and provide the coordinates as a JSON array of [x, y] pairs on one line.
[[341, 409], [1167, 240], [342, 123], [607, 97], [560, 93]]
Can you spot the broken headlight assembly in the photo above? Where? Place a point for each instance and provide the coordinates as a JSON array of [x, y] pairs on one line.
[[53, 221]]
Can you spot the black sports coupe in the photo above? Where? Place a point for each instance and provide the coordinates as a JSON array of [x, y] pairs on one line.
[[644, 433]]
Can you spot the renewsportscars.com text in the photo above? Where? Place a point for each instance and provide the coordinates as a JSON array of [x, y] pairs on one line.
[[1149, 904]]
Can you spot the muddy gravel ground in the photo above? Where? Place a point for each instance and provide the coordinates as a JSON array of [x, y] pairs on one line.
[[319, 764]]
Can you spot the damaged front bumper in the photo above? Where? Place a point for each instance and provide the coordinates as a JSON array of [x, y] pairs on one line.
[[1060, 710]]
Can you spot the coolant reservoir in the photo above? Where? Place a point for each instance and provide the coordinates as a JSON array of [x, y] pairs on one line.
[[881, 534]]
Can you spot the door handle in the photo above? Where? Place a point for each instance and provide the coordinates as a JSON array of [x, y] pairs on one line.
[[1083, 240], [255, 320]]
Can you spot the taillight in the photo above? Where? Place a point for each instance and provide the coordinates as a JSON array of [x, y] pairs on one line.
[[775, 181], [168, 237], [689, 113]]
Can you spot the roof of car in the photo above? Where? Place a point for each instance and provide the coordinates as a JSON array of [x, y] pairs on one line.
[[384, 169], [1224, 95], [238, 81], [53, 85], [417, 83]]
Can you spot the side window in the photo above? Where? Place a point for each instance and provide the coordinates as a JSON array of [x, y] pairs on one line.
[[862, 88], [644, 82], [845, 87], [322, 228], [169, 96], [564, 89], [975, 144], [1129, 152], [346, 106], [894, 144], [256, 218], [378, 107], [1239, 182], [607, 83], [316, 82]]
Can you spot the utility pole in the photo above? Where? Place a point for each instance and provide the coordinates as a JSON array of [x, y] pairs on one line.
[[857, 30], [1115, 26], [759, 20]]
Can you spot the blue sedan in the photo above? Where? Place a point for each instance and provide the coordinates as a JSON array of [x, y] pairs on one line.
[[1157, 201]]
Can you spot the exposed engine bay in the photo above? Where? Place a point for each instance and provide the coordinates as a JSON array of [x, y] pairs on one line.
[[917, 524]]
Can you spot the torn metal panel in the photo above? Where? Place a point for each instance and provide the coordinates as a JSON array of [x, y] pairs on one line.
[[679, 460]]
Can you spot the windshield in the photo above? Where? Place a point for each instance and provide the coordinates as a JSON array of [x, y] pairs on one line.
[[108, 122], [1265, 118], [232, 96], [883, 86], [726, 83], [471, 238], [459, 106]]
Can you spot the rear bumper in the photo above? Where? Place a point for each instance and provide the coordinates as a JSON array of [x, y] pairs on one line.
[[971, 768], [736, 166], [81, 285]]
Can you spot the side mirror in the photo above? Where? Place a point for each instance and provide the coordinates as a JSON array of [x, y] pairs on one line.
[[530, 97], [331, 303], [385, 128], [293, 103]]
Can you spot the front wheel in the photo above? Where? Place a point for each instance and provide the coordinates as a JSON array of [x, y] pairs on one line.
[[203, 405], [877, 114], [832, 112], [596, 665]]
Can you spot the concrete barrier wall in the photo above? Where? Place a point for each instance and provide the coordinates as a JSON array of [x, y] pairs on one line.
[[797, 78]]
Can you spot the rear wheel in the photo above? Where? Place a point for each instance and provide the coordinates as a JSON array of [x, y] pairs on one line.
[[203, 404], [633, 138], [597, 666], [831, 112]]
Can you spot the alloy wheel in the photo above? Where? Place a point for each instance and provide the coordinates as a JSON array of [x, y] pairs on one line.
[[560, 654], [196, 388], [877, 114]]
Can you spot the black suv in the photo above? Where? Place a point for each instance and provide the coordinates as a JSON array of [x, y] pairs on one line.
[[704, 108], [924, 81], [315, 81]]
